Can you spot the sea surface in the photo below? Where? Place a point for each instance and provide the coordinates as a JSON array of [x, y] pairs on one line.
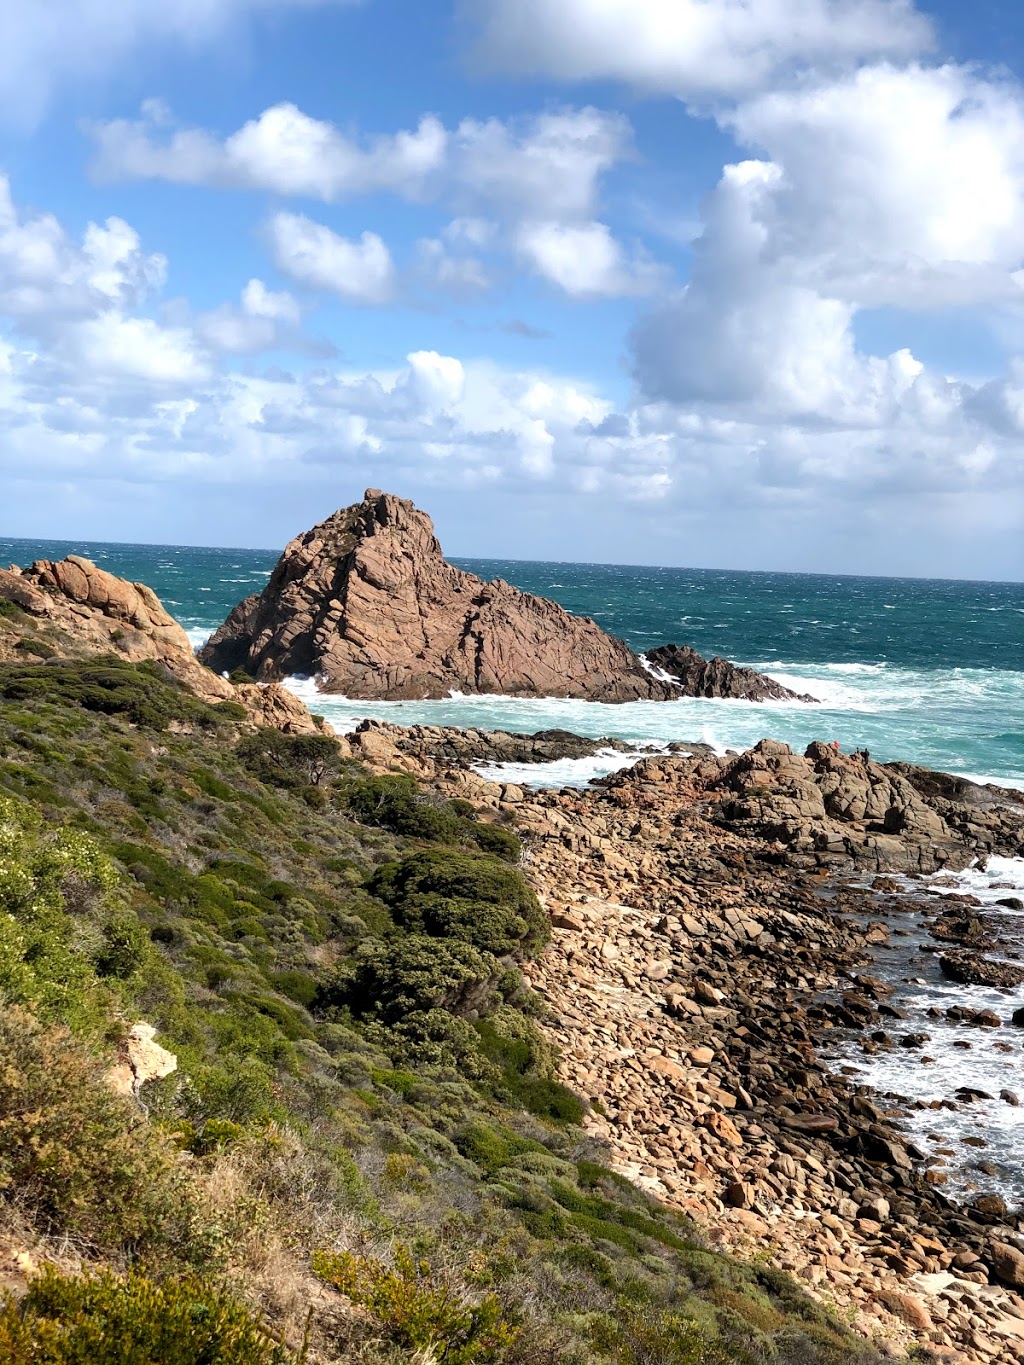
[[929, 671], [925, 671]]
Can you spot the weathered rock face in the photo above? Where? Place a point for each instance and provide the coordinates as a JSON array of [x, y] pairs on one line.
[[80, 609], [366, 602], [717, 677]]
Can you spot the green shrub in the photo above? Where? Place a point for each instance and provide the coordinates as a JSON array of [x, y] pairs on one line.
[[417, 973], [74, 1159], [417, 1311], [395, 801], [289, 761], [142, 693], [10, 611], [499, 841], [474, 897], [104, 1319]]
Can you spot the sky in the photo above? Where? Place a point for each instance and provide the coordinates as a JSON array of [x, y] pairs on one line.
[[724, 283]]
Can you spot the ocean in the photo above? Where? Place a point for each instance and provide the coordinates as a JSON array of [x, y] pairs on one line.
[[928, 671]]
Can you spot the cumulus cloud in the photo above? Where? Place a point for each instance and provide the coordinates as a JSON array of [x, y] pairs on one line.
[[264, 318], [548, 163], [694, 49], [283, 150], [46, 275], [584, 260], [899, 186], [46, 44], [529, 185], [312, 255]]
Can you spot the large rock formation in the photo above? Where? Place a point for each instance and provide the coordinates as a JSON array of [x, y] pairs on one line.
[[366, 603], [717, 677], [74, 609]]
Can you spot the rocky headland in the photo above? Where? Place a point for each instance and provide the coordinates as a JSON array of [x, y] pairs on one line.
[[366, 603], [715, 925], [71, 609]]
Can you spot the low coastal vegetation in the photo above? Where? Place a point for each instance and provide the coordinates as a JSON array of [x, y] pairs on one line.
[[364, 1153]]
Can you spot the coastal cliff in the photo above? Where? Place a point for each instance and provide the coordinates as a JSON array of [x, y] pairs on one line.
[[366, 603]]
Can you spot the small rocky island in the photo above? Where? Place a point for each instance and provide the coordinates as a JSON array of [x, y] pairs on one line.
[[366, 603]]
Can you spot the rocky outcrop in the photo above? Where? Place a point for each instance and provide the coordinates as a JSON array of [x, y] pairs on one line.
[[140, 1059], [73, 609], [367, 604], [838, 810], [717, 677], [446, 746]]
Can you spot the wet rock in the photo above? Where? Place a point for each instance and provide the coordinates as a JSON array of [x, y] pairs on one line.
[[971, 970], [1010, 1097], [700, 677]]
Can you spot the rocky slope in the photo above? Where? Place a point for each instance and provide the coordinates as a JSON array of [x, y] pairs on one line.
[[704, 954], [717, 677], [366, 602], [70, 608]]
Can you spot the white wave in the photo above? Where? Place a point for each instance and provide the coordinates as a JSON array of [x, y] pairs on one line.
[[945, 720], [561, 772]]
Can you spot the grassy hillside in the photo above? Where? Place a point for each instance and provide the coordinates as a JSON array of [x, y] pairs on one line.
[[364, 1154]]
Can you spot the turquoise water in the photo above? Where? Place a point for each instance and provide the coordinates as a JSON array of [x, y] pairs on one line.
[[928, 671]]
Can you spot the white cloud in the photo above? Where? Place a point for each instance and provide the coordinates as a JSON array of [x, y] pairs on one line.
[[45, 275], [549, 163], [47, 44], [283, 150], [263, 319], [897, 188], [458, 275], [900, 186], [584, 260], [314, 256], [690, 48]]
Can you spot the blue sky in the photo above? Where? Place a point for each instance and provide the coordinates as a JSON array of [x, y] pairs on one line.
[[711, 282]]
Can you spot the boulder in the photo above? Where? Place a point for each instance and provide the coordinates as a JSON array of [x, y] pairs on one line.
[[1008, 1264]]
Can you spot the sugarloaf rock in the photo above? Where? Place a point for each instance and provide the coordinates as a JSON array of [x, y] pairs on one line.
[[367, 604]]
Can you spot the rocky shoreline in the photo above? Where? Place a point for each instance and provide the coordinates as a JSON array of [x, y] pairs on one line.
[[713, 937]]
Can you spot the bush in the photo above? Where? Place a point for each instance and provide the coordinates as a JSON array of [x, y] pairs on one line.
[[417, 1311], [419, 974], [76, 1161], [289, 761], [467, 896], [49, 957], [142, 693], [107, 1320]]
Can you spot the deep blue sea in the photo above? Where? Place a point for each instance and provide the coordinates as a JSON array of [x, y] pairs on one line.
[[928, 671]]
